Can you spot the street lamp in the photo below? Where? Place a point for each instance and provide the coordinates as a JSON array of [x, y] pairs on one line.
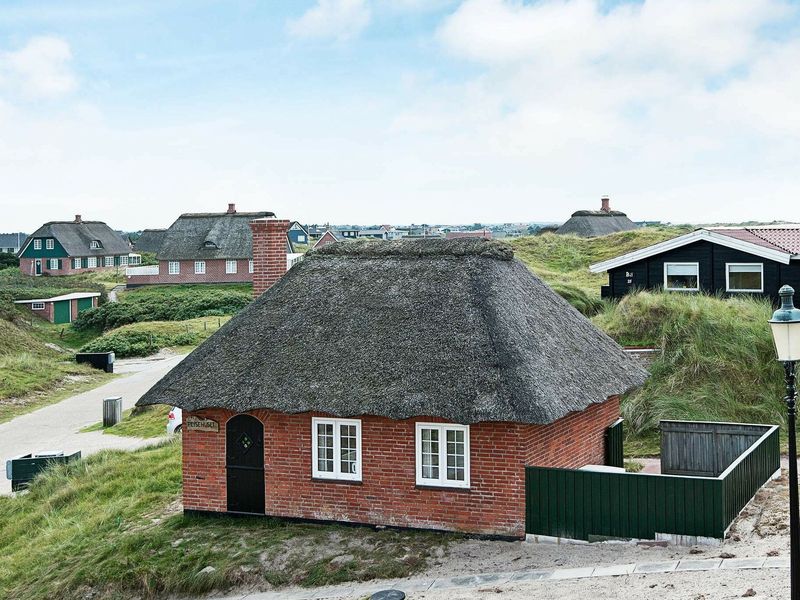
[[785, 324]]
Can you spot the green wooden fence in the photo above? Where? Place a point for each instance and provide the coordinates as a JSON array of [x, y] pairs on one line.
[[614, 439], [588, 505]]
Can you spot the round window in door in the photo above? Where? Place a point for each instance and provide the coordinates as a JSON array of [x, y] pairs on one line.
[[244, 456]]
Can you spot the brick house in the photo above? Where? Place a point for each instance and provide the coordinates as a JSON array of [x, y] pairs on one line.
[[412, 393], [69, 247], [62, 309], [206, 248], [331, 236]]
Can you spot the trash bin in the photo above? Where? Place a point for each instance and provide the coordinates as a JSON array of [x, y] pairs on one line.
[[112, 411], [99, 360], [22, 469]]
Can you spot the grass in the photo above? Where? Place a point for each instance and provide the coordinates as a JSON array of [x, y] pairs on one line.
[[110, 526], [145, 422], [148, 337]]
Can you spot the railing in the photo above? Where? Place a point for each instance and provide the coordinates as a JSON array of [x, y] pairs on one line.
[[137, 271], [293, 259]]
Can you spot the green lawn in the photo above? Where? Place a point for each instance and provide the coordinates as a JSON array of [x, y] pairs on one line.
[[145, 422]]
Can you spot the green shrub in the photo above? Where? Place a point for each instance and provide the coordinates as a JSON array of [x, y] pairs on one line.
[[139, 343]]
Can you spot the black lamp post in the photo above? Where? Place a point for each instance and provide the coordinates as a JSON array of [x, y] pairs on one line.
[[785, 324]]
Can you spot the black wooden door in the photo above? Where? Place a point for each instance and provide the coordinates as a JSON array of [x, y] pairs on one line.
[[245, 464]]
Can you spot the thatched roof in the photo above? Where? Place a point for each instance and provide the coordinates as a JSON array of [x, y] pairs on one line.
[[76, 237], [449, 328], [594, 223], [206, 236], [150, 240]]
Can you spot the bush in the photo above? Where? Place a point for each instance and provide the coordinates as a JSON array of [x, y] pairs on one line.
[[164, 304], [139, 343]]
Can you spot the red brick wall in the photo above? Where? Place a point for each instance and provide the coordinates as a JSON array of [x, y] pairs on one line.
[[27, 266], [215, 273], [388, 495], [269, 252]]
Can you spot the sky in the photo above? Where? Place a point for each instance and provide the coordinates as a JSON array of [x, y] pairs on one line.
[[398, 111]]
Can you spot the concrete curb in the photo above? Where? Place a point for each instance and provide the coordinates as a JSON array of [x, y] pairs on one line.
[[360, 590]]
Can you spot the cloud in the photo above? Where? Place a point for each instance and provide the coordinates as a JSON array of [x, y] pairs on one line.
[[41, 68], [332, 19]]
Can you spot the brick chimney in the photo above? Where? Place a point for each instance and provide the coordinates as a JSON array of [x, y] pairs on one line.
[[269, 253], [231, 208], [604, 204], [78, 219]]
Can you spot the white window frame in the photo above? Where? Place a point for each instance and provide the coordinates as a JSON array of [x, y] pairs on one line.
[[442, 481], [76, 263], [301, 239], [52, 264], [696, 265], [231, 267], [49, 244], [91, 262], [738, 291], [94, 244], [37, 244], [250, 267], [199, 267], [174, 267], [336, 473], [108, 261], [123, 261], [37, 305]]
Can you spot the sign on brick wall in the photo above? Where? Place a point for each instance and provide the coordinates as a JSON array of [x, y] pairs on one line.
[[198, 424]]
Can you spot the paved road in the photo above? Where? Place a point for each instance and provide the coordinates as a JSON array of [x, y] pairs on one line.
[[56, 427]]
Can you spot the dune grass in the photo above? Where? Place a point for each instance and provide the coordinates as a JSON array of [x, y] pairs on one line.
[[110, 526], [143, 422]]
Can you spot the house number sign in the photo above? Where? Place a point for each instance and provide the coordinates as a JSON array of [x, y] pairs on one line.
[[198, 424]]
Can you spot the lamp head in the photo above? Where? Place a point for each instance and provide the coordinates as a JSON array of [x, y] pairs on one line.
[[785, 324]]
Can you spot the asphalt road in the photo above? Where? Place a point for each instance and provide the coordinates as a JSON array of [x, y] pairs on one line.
[[56, 427]]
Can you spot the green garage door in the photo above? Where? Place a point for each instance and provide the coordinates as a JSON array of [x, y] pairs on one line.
[[84, 304], [61, 311]]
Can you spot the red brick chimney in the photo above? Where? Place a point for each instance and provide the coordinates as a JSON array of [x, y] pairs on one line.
[[604, 204], [78, 219], [269, 253], [231, 208]]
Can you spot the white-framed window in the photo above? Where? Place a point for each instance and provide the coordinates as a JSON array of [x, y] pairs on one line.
[[49, 244], [37, 244], [744, 277], [109, 261], [174, 267], [94, 244], [442, 451], [199, 267], [230, 267], [37, 305], [250, 266], [91, 262], [336, 449], [682, 277], [76, 263], [123, 261], [301, 239], [53, 264]]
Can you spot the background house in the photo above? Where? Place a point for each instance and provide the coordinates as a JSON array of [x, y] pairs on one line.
[[329, 237], [68, 247], [594, 223], [62, 309], [717, 260], [429, 443], [298, 234], [10, 243]]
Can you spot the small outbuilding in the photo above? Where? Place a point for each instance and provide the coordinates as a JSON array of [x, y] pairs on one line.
[[62, 309], [412, 392], [595, 223]]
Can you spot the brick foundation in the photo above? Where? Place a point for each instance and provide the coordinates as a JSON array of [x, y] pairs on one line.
[[27, 266], [388, 494]]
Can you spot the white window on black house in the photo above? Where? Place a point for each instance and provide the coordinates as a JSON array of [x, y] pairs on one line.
[[744, 277], [37, 244], [37, 306], [174, 267], [442, 455], [91, 262], [49, 243], [109, 261], [336, 449], [230, 267], [682, 277], [199, 267]]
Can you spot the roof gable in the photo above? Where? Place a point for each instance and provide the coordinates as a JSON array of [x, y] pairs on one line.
[[440, 304]]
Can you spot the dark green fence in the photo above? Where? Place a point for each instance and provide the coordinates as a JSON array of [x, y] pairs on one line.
[[614, 439], [589, 505]]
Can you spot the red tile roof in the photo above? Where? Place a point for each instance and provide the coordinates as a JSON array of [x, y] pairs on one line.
[[781, 238]]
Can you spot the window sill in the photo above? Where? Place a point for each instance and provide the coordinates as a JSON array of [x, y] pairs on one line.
[[333, 480], [443, 488]]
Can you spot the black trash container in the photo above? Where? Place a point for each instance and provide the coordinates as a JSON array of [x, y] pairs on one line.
[[99, 360]]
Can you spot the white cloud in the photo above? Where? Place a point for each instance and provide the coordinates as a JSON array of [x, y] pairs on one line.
[[41, 68], [332, 19]]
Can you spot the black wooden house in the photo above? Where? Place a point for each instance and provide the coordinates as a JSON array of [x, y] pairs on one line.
[[720, 260]]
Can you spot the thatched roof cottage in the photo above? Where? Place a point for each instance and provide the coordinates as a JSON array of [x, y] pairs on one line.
[[594, 223], [428, 373]]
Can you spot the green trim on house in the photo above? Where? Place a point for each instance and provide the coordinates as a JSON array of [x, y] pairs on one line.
[[56, 252], [61, 311]]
